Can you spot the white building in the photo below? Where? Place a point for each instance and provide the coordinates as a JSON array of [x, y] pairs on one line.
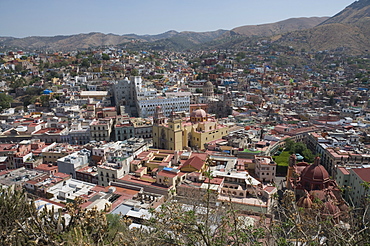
[[113, 169], [265, 168], [357, 177], [146, 106], [68, 190], [140, 101], [118, 156], [100, 130], [124, 92], [79, 134], [70, 163]]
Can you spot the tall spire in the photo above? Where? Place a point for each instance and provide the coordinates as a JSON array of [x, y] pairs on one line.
[[158, 117], [317, 161], [173, 114], [292, 160]]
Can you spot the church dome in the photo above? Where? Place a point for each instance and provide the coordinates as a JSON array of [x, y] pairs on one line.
[[208, 89], [315, 173], [199, 113], [305, 202], [208, 84]]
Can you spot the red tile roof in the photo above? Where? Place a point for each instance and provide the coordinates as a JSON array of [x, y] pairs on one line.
[[52, 202], [343, 170], [49, 131], [269, 188], [45, 167], [195, 162], [61, 175], [363, 173], [167, 174], [7, 147], [216, 181]]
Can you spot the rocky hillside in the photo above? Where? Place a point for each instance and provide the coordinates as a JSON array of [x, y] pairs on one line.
[[280, 27], [353, 14], [334, 37], [348, 32]]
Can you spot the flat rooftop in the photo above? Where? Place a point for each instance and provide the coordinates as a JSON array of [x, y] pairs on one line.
[[18, 176]]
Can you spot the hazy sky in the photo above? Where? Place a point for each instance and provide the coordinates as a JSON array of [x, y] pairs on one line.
[[21, 18]]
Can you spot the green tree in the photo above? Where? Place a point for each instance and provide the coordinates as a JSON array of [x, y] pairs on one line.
[[134, 72], [15, 209], [16, 82], [288, 144], [85, 63], [105, 57], [5, 101], [219, 68], [18, 67], [44, 99], [240, 55], [22, 224], [298, 148], [308, 156]]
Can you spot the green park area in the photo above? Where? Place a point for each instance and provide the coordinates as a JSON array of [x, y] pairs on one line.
[[282, 162], [291, 147], [252, 151], [282, 159]]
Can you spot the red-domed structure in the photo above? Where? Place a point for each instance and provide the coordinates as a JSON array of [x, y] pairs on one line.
[[303, 176], [315, 176], [311, 183], [305, 201], [198, 115]]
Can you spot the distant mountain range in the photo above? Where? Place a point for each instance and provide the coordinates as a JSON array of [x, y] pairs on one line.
[[96, 39], [348, 32], [170, 39]]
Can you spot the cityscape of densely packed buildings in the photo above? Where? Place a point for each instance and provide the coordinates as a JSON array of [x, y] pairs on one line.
[[126, 131]]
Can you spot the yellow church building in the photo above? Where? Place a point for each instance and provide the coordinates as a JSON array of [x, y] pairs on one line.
[[178, 133]]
